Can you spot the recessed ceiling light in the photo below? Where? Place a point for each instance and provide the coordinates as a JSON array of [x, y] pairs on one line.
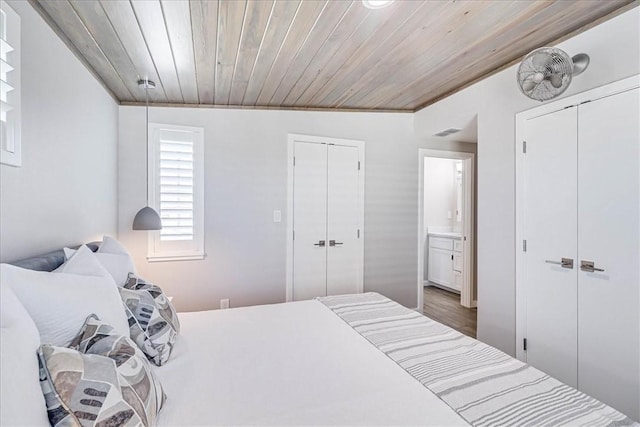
[[376, 4]]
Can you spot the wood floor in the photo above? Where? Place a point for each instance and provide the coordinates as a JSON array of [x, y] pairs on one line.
[[444, 306]]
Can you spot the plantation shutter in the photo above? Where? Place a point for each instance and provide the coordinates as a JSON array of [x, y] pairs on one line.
[[6, 67], [10, 150], [176, 185], [176, 191]]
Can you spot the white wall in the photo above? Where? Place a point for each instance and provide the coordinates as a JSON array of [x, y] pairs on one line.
[[614, 48], [445, 144], [65, 191], [440, 191], [246, 179]]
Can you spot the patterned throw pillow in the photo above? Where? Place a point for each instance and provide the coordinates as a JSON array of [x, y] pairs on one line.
[[103, 380], [153, 323]]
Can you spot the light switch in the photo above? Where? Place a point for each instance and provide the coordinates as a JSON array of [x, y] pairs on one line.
[[449, 215], [277, 216]]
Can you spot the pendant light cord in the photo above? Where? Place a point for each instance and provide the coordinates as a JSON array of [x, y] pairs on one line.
[[146, 101]]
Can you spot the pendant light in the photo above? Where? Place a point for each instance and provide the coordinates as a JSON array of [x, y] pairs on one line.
[[147, 218]]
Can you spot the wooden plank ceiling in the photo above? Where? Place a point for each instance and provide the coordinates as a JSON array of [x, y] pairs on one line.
[[333, 54]]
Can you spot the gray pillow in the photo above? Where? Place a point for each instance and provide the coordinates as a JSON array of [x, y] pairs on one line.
[[153, 322], [103, 379]]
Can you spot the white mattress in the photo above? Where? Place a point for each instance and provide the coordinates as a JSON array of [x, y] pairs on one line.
[[288, 364]]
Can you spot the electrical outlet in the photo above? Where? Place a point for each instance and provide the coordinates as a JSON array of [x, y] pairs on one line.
[[224, 303], [277, 216]]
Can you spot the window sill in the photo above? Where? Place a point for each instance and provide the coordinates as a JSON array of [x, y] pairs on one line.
[[169, 258]]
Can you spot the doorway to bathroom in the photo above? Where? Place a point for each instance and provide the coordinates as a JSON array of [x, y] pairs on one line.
[[446, 238]]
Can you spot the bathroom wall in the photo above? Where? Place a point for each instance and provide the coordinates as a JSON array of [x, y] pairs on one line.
[[440, 196]]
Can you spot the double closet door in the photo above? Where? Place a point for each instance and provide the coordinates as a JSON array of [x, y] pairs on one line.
[[580, 269], [327, 219]]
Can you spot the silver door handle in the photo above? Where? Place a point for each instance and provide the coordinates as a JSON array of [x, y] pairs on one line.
[[564, 263], [320, 243], [589, 266], [334, 243]]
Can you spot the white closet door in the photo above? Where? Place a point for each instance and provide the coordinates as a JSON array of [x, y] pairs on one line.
[[608, 235], [550, 230], [343, 249], [310, 221]]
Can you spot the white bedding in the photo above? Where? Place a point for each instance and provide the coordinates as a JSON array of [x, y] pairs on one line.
[[288, 364]]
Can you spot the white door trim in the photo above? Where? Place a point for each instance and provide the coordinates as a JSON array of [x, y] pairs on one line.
[[623, 85], [292, 138], [466, 296]]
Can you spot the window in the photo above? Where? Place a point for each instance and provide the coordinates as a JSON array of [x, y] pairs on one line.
[[10, 152], [176, 191]]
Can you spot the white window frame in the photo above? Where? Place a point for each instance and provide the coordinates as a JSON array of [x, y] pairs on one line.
[[167, 250], [10, 147]]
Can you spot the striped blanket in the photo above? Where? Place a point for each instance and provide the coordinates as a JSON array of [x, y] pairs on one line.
[[483, 385]]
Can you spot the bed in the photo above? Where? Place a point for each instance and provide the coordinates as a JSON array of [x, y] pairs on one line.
[[351, 360], [288, 364]]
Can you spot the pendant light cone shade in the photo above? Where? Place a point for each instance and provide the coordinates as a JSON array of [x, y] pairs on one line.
[[147, 219]]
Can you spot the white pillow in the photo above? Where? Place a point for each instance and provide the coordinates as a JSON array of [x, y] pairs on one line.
[[117, 265], [82, 262], [13, 314], [114, 257], [112, 246], [59, 303], [21, 397]]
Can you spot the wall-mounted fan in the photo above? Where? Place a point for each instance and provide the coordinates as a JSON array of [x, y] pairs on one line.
[[547, 72]]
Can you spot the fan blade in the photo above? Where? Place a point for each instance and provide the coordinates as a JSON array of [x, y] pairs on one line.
[[541, 60], [529, 84], [556, 80]]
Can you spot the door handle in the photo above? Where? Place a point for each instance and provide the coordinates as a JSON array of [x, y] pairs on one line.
[[589, 266], [320, 243], [564, 263], [334, 243]]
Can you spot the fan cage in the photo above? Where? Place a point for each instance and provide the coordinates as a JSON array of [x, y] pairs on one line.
[[545, 63]]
